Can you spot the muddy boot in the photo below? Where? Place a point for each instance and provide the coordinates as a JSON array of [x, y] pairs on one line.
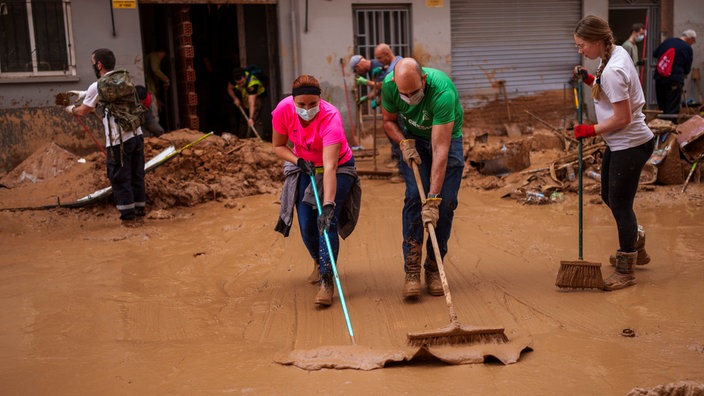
[[324, 296], [433, 282], [623, 277], [411, 288], [643, 256], [314, 276]]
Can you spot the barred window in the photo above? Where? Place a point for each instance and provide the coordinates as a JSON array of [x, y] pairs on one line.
[[35, 38], [374, 24]]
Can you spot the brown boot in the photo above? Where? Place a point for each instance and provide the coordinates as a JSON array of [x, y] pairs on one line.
[[314, 276], [643, 256], [433, 282], [623, 277], [324, 296], [411, 288]]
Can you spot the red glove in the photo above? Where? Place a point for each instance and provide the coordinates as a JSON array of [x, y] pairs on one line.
[[582, 72], [582, 131]]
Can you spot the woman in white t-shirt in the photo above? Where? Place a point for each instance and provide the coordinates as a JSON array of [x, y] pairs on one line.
[[618, 101]]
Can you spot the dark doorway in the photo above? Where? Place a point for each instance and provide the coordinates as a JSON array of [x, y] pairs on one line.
[[223, 37]]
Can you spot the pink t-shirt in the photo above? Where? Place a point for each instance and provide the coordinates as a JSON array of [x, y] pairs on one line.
[[308, 142]]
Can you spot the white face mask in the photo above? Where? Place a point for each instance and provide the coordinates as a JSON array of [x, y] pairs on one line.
[[639, 38], [415, 99], [307, 115]]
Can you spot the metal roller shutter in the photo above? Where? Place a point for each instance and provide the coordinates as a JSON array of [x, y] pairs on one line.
[[526, 43]]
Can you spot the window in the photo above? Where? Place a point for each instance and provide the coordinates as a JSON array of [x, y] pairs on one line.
[[35, 38], [382, 24]]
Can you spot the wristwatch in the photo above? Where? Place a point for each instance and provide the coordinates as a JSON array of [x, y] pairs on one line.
[[433, 195]]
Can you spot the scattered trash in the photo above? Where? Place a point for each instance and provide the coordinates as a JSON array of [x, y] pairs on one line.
[[81, 160], [536, 198], [628, 333], [594, 175]]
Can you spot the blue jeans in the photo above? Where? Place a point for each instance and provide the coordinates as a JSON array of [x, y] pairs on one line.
[[412, 222], [308, 220]]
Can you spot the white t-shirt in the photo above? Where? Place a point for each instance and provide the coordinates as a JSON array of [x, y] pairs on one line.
[[112, 134], [619, 81]]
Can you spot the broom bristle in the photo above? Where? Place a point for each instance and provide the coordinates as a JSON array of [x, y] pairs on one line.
[[579, 275], [456, 334]]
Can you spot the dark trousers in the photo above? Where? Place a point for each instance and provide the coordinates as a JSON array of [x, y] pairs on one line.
[[126, 174], [620, 174], [668, 95], [308, 220]]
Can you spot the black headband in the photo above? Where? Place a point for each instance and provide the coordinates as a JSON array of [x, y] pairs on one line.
[[305, 90]]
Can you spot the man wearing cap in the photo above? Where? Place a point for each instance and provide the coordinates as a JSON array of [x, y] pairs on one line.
[[372, 69], [674, 57]]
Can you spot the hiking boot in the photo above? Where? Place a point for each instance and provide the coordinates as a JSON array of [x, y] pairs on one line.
[[623, 277], [411, 288], [324, 296], [314, 276], [131, 221], [433, 282], [643, 256]]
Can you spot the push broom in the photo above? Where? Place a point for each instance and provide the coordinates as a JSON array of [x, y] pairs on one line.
[[579, 274], [455, 333]]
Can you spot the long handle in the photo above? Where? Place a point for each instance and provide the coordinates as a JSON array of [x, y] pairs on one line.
[[578, 101], [436, 249], [355, 143], [251, 126], [91, 135], [332, 264]]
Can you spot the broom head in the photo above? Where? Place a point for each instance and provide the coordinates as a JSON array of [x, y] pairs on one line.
[[579, 275], [457, 334]]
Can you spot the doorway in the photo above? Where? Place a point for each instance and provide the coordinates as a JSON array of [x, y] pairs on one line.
[[204, 42], [622, 16]]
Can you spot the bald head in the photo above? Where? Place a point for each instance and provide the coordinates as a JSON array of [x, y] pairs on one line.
[[383, 54], [408, 76]]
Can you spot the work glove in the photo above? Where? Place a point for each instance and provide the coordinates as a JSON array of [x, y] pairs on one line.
[[325, 217], [80, 94], [361, 100], [306, 166], [374, 104], [582, 131], [581, 72], [360, 80], [69, 109], [431, 211], [375, 72], [408, 150]]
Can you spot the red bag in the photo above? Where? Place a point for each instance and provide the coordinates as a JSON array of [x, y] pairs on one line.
[[665, 63]]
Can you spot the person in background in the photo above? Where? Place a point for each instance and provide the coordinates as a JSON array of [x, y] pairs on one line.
[[125, 149], [372, 69], [618, 103], [246, 92], [675, 58], [156, 79], [310, 138], [631, 44], [150, 124], [429, 104]]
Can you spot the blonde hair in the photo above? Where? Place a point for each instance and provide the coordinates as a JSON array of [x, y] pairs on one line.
[[594, 29]]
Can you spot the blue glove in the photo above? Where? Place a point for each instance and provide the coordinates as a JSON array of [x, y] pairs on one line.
[[375, 73], [326, 217], [306, 166], [374, 104]]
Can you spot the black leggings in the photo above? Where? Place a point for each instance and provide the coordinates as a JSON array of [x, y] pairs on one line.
[[620, 174]]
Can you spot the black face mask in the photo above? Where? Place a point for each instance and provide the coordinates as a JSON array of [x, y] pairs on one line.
[[95, 69]]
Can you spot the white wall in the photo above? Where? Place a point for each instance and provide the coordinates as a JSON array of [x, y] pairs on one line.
[[689, 14]]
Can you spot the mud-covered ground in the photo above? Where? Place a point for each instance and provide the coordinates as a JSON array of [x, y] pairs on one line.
[[206, 297]]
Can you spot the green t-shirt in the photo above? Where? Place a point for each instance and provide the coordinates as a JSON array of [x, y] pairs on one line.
[[440, 105]]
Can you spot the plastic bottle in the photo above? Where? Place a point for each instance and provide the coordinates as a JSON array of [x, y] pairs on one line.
[[594, 175], [536, 197]]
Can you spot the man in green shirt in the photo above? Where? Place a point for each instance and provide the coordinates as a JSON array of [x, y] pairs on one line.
[[428, 103]]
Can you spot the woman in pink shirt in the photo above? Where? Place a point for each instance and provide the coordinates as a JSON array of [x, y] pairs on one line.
[[314, 128]]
